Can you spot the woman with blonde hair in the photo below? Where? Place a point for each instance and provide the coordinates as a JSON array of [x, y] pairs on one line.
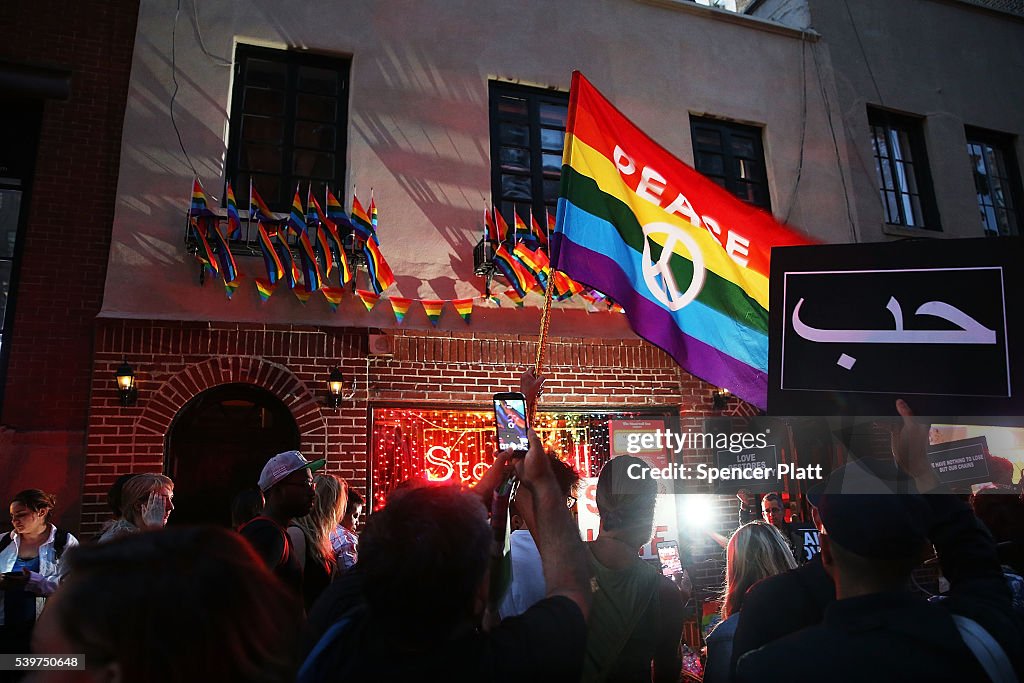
[[311, 535], [147, 500], [756, 551]]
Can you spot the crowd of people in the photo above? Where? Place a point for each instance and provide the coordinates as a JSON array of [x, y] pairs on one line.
[[433, 589]]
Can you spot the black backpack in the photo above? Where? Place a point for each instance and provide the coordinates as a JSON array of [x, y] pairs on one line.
[[60, 542]]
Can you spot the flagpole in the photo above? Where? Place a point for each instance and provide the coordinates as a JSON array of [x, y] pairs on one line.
[[545, 324]]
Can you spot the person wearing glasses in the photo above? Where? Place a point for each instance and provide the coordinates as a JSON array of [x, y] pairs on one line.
[[287, 485]]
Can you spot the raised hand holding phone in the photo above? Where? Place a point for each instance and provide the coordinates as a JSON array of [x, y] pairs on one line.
[[510, 419]]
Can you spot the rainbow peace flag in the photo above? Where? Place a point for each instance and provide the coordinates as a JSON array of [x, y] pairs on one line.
[[369, 299], [361, 223], [275, 271], [257, 207], [265, 289], [464, 307], [686, 259], [200, 203], [433, 307], [400, 305], [234, 222], [334, 295], [379, 272]]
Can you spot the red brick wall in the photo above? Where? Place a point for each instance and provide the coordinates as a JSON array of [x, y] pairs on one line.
[[175, 361], [64, 257]]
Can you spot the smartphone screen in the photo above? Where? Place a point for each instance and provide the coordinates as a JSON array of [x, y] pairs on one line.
[[510, 419], [668, 555]]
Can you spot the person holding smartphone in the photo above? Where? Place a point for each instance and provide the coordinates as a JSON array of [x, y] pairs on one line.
[[31, 565]]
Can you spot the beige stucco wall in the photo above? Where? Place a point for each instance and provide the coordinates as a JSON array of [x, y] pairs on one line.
[[419, 131], [953, 63]]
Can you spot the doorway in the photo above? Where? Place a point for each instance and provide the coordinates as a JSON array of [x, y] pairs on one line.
[[217, 446]]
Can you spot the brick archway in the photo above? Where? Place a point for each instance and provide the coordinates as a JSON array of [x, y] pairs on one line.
[[138, 444]]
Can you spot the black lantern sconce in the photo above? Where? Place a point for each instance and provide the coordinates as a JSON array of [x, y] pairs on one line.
[[126, 390], [721, 399], [337, 389]]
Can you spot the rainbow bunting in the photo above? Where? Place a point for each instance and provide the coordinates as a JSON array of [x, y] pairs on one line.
[[265, 289], [511, 269], [200, 205], [333, 295], [378, 271], [400, 305], [231, 287], [204, 253], [275, 271], [369, 299], [361, 221], [493, 298], [516, 297], [234, 222], [302, 295], [433, 308], [464, 307], [257, 207], [705, 301]]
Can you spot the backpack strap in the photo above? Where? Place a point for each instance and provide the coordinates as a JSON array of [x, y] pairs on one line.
[[986, 650]]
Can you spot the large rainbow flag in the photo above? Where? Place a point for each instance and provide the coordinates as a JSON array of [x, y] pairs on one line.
[[686, 259]]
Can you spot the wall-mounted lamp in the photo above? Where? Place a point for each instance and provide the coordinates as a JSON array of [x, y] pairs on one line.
[[126, 384], [337, 391], [721, 399]]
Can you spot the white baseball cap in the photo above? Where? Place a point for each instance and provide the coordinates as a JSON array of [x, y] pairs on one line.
[[283, 464]]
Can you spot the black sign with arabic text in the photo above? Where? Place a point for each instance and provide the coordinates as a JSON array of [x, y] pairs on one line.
[[853, 327]]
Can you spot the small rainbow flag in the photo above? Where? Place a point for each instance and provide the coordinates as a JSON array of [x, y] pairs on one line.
[[265, 289], [535, 263], [400, 305], [379, 271], [291, 269], [520, 225], [512, 270], [361, 223], [275, 271], [542, 236], [502, 226], [373, 213], [297, 217], [314, 219], [228, 268], [335, 211], [200, 204], [257, 207], [517, 298], [334, 295], [464, 307], [369, 299], [492, 227], [205, 254], [433, 308], [234, 222]]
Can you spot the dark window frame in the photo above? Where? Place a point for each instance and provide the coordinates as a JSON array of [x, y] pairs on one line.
[[735, 176], [1004, 143], [287, 178], [534, 97], [913, 128]]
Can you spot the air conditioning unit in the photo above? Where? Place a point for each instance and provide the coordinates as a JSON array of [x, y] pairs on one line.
[[381, 345]]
